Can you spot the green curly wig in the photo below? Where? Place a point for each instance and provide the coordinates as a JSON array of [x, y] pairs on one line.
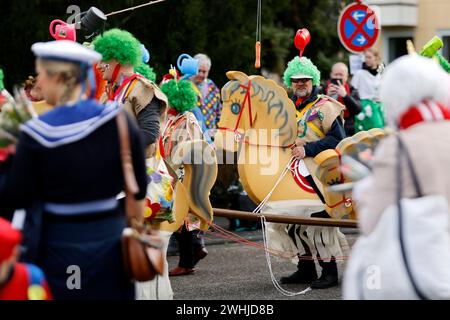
[[120, 45], [301, 66], [146, 71], [181, 95]]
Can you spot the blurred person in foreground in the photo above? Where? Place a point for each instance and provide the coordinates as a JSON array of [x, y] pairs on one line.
[[68, 159], [18, 281], [415, 91]]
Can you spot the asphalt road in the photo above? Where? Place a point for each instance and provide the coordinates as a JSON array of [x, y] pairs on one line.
[[233, 271]]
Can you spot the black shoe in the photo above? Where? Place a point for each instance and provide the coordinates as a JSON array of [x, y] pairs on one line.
[[305, 274], [329, 277], [324, 282], [298, 277]]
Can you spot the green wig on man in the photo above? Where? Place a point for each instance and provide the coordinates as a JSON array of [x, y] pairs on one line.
[[120, 45], [301, 67]]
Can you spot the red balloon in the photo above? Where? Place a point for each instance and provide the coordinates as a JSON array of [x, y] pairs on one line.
[[301, 40]]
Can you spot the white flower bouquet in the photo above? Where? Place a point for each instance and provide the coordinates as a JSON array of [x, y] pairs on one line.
[[13, 113]]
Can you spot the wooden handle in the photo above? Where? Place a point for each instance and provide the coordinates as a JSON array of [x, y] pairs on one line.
[[258, 55]]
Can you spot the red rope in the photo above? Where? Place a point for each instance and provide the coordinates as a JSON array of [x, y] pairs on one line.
[[234, 237], [171, 128], [237, 134], [337, 204], [246, 97], [250, 114], [225, 234], [268, 145]]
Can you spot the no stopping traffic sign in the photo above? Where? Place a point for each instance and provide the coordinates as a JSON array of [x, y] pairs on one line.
[[358, 27]]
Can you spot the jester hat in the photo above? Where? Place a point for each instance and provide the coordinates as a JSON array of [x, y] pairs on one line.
[[301, 68], [120, 45]]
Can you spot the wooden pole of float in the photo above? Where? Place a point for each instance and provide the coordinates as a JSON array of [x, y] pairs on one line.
[[284, 218], [134, 8]]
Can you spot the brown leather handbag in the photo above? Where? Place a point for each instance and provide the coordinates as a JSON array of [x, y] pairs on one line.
[[142, 247]]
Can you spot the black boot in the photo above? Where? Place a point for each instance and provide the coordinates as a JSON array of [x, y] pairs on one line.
[[329, 277], [305, 274]]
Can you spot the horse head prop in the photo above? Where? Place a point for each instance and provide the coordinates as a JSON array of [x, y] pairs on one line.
[[259, 122], [243, 114], [194, 164]]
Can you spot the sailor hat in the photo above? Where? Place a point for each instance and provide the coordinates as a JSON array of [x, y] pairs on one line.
[[65, 50]]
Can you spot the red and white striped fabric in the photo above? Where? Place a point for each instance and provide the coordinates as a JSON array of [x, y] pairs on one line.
[[426, 111], [300, 171]]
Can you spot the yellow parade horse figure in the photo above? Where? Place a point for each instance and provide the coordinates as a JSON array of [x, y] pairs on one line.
[[186, 151], [329, 171], [259, 122], [194, 162]]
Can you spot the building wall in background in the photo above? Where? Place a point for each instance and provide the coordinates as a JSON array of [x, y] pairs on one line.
[[418, 20]]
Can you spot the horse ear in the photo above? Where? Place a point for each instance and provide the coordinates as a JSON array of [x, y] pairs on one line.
[[237, 75]]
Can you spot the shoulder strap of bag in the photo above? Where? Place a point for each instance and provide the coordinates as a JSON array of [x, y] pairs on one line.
[[403, 152], [414, 176], [131, 186]]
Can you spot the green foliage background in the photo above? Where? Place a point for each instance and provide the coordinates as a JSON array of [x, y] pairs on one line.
[[223, 29]]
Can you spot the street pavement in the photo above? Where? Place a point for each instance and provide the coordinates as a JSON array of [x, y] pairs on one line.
[[234, 271]]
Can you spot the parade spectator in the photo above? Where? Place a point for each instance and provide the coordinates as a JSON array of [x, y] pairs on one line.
[[338, 88], [320, 127], [415, 93], [208, 93], [68, 159], [367, 82]]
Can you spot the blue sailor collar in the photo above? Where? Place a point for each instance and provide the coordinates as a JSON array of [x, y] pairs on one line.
[[67, 124]]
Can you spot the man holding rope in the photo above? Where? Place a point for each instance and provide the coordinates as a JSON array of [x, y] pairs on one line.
[[320, 127]]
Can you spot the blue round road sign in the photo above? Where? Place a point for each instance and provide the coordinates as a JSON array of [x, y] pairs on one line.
[[358, 27]]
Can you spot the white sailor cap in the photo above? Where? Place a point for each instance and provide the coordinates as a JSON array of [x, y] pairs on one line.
[[65, 50]]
